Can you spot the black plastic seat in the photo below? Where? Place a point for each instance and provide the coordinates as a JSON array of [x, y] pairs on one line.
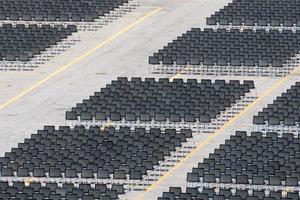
[[39, 172], [160, 117], [71, 173], [103, 174], [115, 117], [175, 118], [275, 22], [145, 117], [5, 172], [135, 175], [291, 181], [85, 116], [55, 173], [263, 63], [258, 180], [209, 178], [167, 61], [193, 177], [194, 61], [225, 178], [87, 173], [223, 22], [100, 116], [249, 63], [210, 21], [22, 172], [130, 117], [258, 120], [262, 22], [276, 63], [235, 62], [181, 61], [208, 62], [153, 60], [273, 180]]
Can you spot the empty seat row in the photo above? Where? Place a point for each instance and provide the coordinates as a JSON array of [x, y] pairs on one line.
[[92, 153], [53, 191], [206, 193], [161, 100], [285, 110], [233, 48], [21, 43], [258, 12], [57, 10], [258, 159]]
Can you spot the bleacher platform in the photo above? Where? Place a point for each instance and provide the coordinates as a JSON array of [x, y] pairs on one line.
[[25, 47], [261, 13], [163, 102], [217, 52]]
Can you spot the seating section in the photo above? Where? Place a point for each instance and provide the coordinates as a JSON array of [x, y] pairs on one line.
[[21, 43], [57, 10], [68, 191], [258, 159], [226, 194], [162, 100], [285, 110], [258, 12], [92, 153], [221, 47]]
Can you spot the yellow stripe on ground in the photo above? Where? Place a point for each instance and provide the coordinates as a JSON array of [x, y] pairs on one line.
[[178, 74], [200, 145], [28, 181], [78, 59], [104, 126]]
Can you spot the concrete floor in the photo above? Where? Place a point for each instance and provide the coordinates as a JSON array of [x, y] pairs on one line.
[[125, 55]]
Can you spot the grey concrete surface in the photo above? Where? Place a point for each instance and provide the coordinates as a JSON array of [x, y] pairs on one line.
[[243, 122], [127, 55]]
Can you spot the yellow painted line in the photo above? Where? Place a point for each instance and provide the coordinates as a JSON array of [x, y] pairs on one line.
[[28, 181], [78, 59], [105, 125], [175, 76], [215, 134], [178, 74]]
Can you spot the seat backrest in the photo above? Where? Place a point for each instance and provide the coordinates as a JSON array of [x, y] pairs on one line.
[[211, 21], [209, 178], [258, 120], [153, 60], [192, 177], [274, 180], [242, 179]]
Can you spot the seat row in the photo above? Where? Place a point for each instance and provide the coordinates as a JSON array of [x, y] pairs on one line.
[[258, 12], [206, 193], [161, 100], [92, 153], [285, 110], [53, 191], [258, 159], [221, 47], [57, 10]]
